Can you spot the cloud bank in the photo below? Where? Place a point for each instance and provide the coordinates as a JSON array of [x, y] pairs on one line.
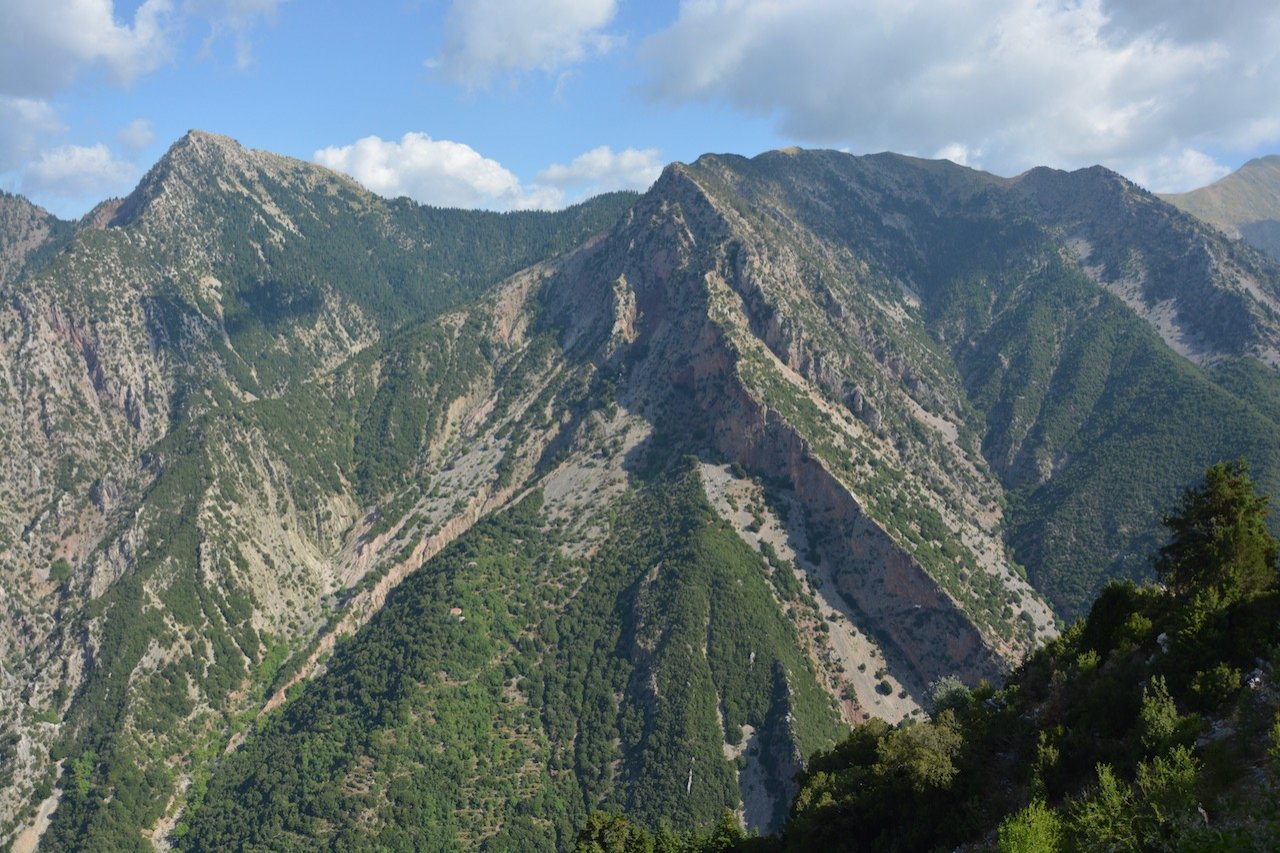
[[1006, 84], [45, 44], [602, 170], [76, 172], [24, 123]]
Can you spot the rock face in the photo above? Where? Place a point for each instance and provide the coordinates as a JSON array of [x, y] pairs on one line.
[[246, 404]]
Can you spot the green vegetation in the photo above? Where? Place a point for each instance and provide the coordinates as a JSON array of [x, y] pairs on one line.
[[961, 372], [392, 262], [1106, 739], [60, 570], [1064, 388], [562, 686]]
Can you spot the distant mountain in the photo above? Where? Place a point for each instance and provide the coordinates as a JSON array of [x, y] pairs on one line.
[[333, 519], [1244, 204]]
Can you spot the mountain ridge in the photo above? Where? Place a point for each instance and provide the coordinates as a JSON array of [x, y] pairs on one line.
[[875, 389]]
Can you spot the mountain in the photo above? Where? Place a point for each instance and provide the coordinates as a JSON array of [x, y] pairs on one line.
[[332, 519], [146, 360], [1245, 204]]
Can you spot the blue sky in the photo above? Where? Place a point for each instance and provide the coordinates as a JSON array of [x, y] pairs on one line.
[[516, 103]]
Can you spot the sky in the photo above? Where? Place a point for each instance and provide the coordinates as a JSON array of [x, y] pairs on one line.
[[513, 104]]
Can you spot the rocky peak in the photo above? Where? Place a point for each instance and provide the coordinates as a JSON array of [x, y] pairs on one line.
[[1209, 297], [201, 165]]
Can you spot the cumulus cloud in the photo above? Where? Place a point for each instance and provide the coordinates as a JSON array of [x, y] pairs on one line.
[[1010, 83], [44, 44], [602, 169], [24, 123], [78, 173], [436, 172], [484, 39]]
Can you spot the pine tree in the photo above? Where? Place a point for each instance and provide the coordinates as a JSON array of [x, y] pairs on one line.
[[1220, 549]]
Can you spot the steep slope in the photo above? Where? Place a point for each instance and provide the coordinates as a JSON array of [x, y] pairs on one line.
[[1152, 724], [1030, 318], [27, 234], [558, 684], [1245, 204], [144, 366]]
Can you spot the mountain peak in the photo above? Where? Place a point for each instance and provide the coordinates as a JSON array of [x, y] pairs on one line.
[[202, 163], [201, 144]]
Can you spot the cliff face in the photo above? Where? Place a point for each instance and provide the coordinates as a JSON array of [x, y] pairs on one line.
[[153, 455], [804, 433]]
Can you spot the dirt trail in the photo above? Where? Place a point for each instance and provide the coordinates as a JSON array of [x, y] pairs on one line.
[[28, 840]]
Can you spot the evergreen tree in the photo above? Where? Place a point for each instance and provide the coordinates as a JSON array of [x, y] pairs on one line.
[[1220, 547]]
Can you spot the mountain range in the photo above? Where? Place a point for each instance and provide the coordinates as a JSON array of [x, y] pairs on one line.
[[332, 519]]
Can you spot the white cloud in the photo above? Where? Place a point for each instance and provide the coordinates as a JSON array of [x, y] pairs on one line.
[[488, 38], [436, 172], [1013, 83], [24, 123], [44, 44], [602, 169], [78, 173], [957, 153], [1179, 171], [136, 135]]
